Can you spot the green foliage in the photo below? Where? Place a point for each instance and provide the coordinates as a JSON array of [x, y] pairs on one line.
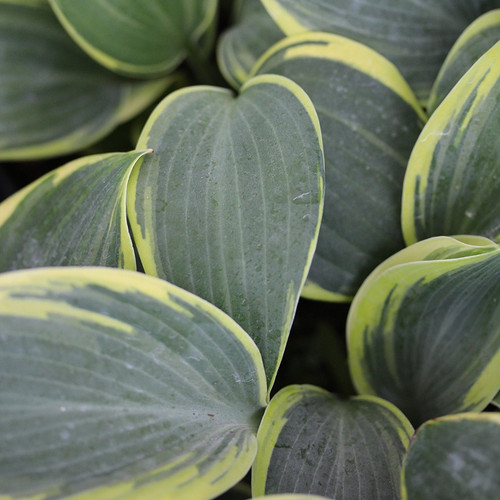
[[162, 350]]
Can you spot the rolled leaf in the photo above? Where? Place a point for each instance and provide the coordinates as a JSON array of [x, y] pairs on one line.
[[124, 385], [252, 33], [73, 216], [229, 205], [477, 38], [361, 100], [415, 36], [312, 442], [454, 457], [423, 331], [452, 184], [53, 98], [144, 38]]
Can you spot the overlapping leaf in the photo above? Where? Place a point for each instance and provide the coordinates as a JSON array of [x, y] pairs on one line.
[[312, 442], [144, 38], [53, 98], [75, 215], [123, 384], [415, 36], [479, 37], [229, 205], [452, 184], [423, 330], [370, 120], [454, 457]]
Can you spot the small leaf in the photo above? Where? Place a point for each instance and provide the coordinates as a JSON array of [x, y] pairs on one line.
[[310, 441], [370, 120], [124, 385], [53, 98], [423, 329], [454, 457], [73, 216], [229, 205], [477, 38], [144, 38], [452, 184]]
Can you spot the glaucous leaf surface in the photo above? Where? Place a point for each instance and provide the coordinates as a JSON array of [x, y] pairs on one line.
[[53, 98], [310, 441], [478, 38], [252, 32], [229, 205], [415, 35], [452, 184], [423, 330], [122, 384], [454, 457], [72, 216], [134, 38], [370, 120]]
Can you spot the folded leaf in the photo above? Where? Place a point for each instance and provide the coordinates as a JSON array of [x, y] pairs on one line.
[[144, 38], [229, 205], [423, 331], [415, 36], [452, 184], [361, 100], [454, 457], [53, 98], [73, 216], [124, 385], [310, 441]]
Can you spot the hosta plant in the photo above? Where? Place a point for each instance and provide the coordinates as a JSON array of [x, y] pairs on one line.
[[249, 249]]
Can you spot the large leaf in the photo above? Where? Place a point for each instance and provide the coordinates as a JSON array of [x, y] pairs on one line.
[[370, 120], [53, 98], [229, 205], [414, 35], [479, 37], [310, 441], [75, 215], [423, 330], [454, 457], [123, 384], [252, 33], [144, 38], [452, 184]]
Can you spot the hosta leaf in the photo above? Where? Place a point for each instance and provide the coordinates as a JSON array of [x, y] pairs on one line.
[[75, 215], [252, 33], [480, 36], [415, 36], [53, 98], [144, 38], [496, 400], [423, 330], [123, 384], [452, 184], [310, 441], [454, 457], [229, 205], [361, 100]]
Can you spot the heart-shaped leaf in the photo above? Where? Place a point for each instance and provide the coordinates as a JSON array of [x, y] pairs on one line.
[[415, 36], [361, 99], [75, 215], [122, 384], [310, 441], [144, 38], [478, 38], [53, 98], [229, 205], [423, 330], [454, 457], [452, 184]]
